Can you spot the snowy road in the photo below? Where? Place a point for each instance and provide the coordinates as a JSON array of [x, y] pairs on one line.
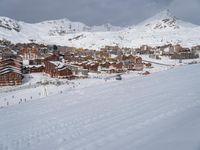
[[157, 63], [129, 114]]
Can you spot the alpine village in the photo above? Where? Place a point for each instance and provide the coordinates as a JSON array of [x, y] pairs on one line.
[[71, 63]]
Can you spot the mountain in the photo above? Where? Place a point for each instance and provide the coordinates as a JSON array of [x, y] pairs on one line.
[[64, 26], [163, 28], [9, 24], [54, 27], [17, 31], [165, 20]]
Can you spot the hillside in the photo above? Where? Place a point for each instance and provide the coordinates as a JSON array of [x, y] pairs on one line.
[[160, 111], [163, 28]]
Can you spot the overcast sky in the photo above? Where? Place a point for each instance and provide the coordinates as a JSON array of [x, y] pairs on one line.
[[96, 12]]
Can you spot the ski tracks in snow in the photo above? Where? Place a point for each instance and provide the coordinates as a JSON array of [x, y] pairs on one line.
[[107, 116]]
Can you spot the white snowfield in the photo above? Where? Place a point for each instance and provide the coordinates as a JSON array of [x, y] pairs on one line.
[[161, 29], [159, 111]]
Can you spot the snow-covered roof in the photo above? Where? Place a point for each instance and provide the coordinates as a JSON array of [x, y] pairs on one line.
[[9, 66], [10, 69], [37, 66], [25, 62], [58, 64]]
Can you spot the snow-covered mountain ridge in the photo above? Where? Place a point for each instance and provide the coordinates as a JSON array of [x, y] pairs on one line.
[[163, 28], [9, 24]]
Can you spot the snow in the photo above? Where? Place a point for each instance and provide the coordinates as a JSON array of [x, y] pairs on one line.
[[58, 64], [153, 32], [25, 62], [171, 22], [166, 61], [179, 136], [159, 111]]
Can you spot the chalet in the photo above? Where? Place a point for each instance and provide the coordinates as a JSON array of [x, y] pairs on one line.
[[105, 65], [51, 57], [138, 67], [178, 48], [196, 50], [132, 62], [145, 49], [9, 77], [69, 57], [113, 68], [10, 70], [78, 70], [117, 67], [35, 68], [165, 50], [29, 53], [91, 66], [102, 54], [183, 53], [57, 69], [36, 62]]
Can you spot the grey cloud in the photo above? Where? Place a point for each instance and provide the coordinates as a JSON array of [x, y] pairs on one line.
[[91, 12], [188, 10]]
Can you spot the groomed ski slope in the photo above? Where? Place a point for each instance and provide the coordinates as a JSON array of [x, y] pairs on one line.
[[159, 111]]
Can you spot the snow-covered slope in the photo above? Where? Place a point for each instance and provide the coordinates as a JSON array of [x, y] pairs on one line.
[[165, 20], [163, 28], [64, 26], [160, 111], [9, 24], [17, 31]]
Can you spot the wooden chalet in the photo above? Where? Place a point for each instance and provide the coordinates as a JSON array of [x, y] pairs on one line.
[[35, 68], [10, 70], [57, 69], [51, 57], [131, 62], [29, 53], [91, 66]]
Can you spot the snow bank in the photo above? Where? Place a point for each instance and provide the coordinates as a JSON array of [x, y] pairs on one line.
[[152, 112]]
